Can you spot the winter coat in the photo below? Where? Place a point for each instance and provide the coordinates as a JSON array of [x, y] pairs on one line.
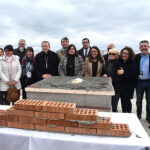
[[4, 73]]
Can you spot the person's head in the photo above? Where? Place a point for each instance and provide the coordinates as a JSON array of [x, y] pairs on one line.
[[127, 54], [1, 52], [8, 50], [65, 42], [95, 54], [113, 53], [29, 52], [22, 43], [86, 43], [144, 46], [110, 46], [45, 46], [71, 50]]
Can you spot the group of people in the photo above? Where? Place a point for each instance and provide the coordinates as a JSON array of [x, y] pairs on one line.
[[127, 71]]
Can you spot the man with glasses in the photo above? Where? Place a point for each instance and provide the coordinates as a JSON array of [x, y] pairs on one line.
[[21, 50], [143, 84], [84, 51]]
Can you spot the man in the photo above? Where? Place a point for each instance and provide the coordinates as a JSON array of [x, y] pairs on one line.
[[84, 51], [46, 63], [63, 50], [21, 50], [110, 46], [143, 84]]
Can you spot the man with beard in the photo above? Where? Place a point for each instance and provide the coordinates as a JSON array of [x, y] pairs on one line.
[[143, 84], [110, 46]]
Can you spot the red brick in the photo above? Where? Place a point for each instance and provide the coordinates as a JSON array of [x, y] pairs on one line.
[[83, 114], [12, 118], [102, 132], [40, 121], [104, 123], [60, 107], [91, 131], [12, 111], [75, 130], [50, 128], [25, 104], [62, 123], [26, 120], [3, 115], [20, 125], [3, 123], [45, 115]]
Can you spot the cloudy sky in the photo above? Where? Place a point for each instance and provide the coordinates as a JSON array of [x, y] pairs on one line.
[[123, 22]]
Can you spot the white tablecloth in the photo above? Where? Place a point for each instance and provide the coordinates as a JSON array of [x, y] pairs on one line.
[[19, 139]]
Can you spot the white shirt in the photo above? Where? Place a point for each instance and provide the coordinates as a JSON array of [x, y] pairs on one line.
[[84, 51]]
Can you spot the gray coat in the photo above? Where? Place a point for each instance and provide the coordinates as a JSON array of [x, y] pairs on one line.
[[4, 73], [79, 66]]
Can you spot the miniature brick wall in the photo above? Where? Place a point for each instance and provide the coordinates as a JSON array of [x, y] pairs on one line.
[[60, 117]]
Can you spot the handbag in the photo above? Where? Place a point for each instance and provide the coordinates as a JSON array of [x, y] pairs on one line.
[[12, 94]]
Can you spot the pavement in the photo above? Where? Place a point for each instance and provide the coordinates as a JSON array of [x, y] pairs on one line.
[[143, 121]]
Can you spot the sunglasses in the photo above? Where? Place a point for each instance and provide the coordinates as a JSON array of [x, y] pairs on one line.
[[112, 54]]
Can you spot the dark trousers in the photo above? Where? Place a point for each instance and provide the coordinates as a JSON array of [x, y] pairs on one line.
[[143, 86], [3, 96], [114, 102], [24, 94]]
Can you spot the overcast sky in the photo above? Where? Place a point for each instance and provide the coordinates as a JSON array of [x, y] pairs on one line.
[[123, 22]]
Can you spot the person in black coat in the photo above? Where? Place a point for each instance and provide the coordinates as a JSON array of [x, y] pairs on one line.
[[84, 51], [106, 56], [21, 50], [112, 66], [46, 63], [27, 70], [129, 78]]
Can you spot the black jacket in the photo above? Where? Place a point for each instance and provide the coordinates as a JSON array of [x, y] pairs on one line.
[[138, 59], [129, 78], [81, 52], [40, 68], [20, 54], [106, 57]]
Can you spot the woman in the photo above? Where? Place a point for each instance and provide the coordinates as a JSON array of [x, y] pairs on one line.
[[1, 52], [72, 64], [129, 78], [27, 70], [112, 66], [94, 64], [10, 72]]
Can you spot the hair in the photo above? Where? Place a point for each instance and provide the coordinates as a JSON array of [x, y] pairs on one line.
[[99, 56], [22, 40], [45, 42], [65, 39], [69, 47], [144, 41], [85, 39], [30, 49], [131, 53], [1, 49], [8, 47]]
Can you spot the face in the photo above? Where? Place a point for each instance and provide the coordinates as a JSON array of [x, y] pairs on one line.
[[72, 51], [1, 53], [94, 53], [125, 55], [29, 54], [8, 53], [144, 47], [21, 44], [112, 56], [45, 47], [110, 46], [86, 44], [65, 43]]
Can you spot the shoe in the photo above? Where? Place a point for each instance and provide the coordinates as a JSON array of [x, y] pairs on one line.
[[148, 120]]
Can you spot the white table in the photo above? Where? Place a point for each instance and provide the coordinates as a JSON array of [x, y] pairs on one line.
[[19, 139]]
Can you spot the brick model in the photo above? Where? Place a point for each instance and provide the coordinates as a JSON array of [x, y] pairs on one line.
[[60, 117]]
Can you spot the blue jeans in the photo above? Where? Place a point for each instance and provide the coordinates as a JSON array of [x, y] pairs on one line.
[[143, 86]]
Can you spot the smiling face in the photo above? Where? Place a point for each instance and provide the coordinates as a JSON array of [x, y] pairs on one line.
[[29, 53], [86, 44], [71, 50], [1, 53], [125, 55], [65, 44], [8, 53], [22, 44], [112, 56], [45, 47], [144, 47], [94, 53]]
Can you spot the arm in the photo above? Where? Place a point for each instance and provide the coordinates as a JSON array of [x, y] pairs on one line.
[[2, 75], [18, 75], [82, 67], [55, 68], [60, 67], [86, 67]]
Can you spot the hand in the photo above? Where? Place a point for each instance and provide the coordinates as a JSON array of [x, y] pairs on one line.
[[45, 76], [105, 75], [120, 71], [110, 79], [9, 83], [14, 83]]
